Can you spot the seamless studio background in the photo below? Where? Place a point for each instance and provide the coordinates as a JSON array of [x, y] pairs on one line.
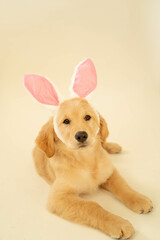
[[50, 38]]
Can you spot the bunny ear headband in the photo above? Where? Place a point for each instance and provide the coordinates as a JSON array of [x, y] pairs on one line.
[[83, 83]]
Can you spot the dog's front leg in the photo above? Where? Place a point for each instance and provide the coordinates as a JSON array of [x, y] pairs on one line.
[[73, 208], [132, 199]]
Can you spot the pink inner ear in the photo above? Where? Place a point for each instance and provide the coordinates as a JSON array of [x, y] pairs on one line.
[[85, 78], [41, 89]]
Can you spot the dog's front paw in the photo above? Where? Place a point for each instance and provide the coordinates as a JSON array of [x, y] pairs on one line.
[[140, 203], [120, 228]]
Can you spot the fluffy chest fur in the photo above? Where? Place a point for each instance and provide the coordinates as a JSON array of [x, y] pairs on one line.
[[82, 170]]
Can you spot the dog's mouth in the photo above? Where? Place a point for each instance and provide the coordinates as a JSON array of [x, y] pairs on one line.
[[82, 145]]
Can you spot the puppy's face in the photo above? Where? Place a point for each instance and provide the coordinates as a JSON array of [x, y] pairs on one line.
[[76, 123]]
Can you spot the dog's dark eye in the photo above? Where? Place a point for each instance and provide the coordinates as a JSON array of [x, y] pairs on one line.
[[66, 121], [87, 117]]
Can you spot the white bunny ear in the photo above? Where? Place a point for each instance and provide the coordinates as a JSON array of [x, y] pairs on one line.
[[41, 89], [84, 78]]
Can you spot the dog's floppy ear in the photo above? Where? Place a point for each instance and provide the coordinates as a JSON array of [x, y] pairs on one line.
[[84, 79], [46, 138], [104, 132]]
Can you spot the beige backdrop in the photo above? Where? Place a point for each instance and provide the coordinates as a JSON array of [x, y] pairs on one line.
[[122, 37]]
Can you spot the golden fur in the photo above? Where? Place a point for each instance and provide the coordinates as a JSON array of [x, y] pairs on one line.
[[72, 170]]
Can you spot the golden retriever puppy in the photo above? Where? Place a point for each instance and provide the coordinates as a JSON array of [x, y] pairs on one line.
[[70, 154]]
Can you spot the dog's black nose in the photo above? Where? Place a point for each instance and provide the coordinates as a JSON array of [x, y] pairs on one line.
[[81, 136]]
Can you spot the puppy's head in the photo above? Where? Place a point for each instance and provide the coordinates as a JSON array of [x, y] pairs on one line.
[[76, 123]]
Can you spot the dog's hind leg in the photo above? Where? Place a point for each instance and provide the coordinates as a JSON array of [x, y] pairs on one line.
[[112, 147], [43, 166]]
